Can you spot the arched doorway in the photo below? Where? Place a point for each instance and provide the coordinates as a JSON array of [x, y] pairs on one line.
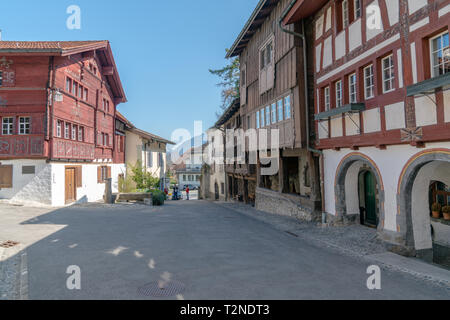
[[423, 236], [359, 191]]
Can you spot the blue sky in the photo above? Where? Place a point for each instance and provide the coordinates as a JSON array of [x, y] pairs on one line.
[[163, 50]]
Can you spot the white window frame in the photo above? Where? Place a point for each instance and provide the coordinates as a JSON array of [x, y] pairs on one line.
[[326, 93], [369, 77], [352, 88], [258, 119], [390, 80], [273, 113], [66, 130], [24, 126], [263, 117], [80, 133], [442, 49], [8, 127], [74, 132], [268, 116], [338, 92], [58, 128]]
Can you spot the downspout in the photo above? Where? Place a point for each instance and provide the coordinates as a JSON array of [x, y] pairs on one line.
[[302, 36]]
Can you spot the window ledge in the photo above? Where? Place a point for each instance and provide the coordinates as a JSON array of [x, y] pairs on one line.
[[348, 108], [429, 86]]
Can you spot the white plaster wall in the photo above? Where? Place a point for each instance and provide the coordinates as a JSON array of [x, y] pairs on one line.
[[327, 53], [328, 20], [319, 27], [414, 63], [91, 191], [340, 45], [29, 189], [390, 163], [447, 106], [441, 233], [336, 127], [373, 32], [393, 10], [395, 116], [415, 5], [372, 120], [426, 114], [419, 24], [352, 124], [400, 68], [355, 35], [444, 10], [323, 130]]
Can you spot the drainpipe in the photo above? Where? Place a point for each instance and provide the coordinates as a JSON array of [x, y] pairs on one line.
[[302, 36]]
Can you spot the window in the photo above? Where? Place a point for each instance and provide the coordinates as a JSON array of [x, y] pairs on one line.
[[263, 123], [352, 88], [74, 132], [388, 73], [338, 86], [268, 116], [184, 177], [68, 84], [107, 106], [150, 159], [357, 9], [327, 98], [257, 119], [80, 92], [266, 55], [66, 131], [86, 94], [369, 83], [105, 139], [58, 129], [280, 110], [104, 104], [160, 159], [103, 173], [345, 16], [24, 125], [1, 78], [274, 113], [7, 126], [440, 55], [287, 107], [80, 133], [74, 88], [248, 122]]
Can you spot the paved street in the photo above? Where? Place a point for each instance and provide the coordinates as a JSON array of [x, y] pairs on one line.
[[213, 252]]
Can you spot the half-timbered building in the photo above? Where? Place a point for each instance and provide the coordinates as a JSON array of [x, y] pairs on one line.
[[273, 97], [382, 111], [58, 140]]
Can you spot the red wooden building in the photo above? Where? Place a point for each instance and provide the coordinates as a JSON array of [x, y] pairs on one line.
[[58, 102]]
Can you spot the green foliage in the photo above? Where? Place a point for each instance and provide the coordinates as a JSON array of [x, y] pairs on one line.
[[126, 185], [436, 207], [230, 81], [158, 198], [143, 179]]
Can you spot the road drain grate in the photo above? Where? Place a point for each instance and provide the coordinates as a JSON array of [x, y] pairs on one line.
[[8, 244], [169, 289]]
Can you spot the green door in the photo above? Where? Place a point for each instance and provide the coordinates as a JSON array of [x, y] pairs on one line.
[[370, 197]]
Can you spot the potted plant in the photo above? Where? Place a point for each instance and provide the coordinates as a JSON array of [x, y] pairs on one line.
[[446, 212], [436, 210]]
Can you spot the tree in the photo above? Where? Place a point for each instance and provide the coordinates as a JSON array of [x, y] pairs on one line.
[[230, 81]]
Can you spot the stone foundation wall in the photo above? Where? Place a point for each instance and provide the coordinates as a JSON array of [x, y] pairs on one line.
[[287, 205]]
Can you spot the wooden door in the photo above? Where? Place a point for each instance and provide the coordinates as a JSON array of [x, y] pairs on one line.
[[70, 187], [370, 197]]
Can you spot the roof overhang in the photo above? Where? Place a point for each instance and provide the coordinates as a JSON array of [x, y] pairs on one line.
[[429, 86], [150, 137], [349, 108], [300, 9], [259, 15], [229, 113]]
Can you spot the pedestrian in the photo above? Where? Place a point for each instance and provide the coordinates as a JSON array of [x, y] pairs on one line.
[[187, 193]]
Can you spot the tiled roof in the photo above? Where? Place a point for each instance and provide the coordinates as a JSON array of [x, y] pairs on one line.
[[150, 136], [48, 45]]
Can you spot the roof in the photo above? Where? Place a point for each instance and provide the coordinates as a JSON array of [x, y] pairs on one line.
[[302, 9], [122, 118], [102, 49], [231, 111], [259, 15], [150, 136]]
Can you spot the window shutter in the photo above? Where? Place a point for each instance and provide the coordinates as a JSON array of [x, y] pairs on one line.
[[79, 174], [99, 175], [243, 90], [6, 177], [109, 172]]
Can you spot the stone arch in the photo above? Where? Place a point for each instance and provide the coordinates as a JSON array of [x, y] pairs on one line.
[[348, 170], [412, 230]]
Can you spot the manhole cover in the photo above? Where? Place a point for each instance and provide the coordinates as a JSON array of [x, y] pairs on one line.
[[169, 289], [8, 244]]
